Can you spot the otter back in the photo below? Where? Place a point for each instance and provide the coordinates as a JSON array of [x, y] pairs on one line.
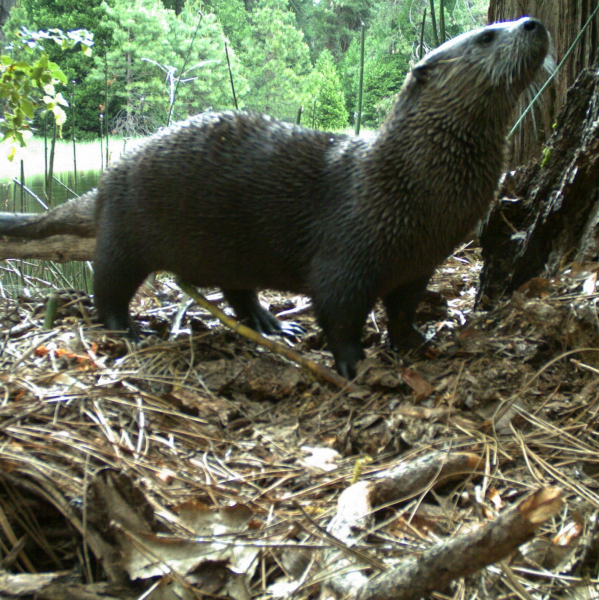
[[243, 201]]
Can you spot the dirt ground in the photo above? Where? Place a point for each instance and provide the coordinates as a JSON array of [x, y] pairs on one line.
[[204, 466]]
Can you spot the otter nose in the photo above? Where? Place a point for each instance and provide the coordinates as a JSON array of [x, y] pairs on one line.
[[530, 24], [535, 28]]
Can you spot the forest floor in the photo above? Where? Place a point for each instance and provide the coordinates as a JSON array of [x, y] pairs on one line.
[[207, 463]]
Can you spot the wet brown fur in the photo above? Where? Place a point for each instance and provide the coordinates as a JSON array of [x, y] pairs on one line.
[[243, 201]]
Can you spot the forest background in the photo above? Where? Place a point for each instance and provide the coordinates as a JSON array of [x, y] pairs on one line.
[[284, 54]]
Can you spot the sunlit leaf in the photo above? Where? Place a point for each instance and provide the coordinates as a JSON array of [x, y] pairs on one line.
[[59, 98], [27, 107], [59, 115]]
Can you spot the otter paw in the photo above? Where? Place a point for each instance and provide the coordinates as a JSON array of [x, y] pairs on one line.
[[410, 339], [347, 359]]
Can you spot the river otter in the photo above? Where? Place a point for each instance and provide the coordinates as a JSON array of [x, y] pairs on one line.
[[243, 201]]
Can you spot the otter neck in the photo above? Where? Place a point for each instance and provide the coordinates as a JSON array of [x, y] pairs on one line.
[[439, 172]]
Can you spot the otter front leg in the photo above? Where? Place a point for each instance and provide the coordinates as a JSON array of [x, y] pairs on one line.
[[250, 312], [401, 305], [342, 326]]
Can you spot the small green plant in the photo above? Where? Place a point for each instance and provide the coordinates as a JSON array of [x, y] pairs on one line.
[[29, 80], [546, 157]]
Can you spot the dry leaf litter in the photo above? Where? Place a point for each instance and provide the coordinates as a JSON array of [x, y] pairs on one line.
[[202, 465]]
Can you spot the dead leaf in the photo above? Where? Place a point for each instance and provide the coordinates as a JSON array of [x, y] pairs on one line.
[[25, 584], [420, 385], [320, 459]]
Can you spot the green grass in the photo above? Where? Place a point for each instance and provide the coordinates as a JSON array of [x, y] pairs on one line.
[[32, 155]]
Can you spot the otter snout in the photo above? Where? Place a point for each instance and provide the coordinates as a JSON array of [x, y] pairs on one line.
[[535, 30], [529, 45]]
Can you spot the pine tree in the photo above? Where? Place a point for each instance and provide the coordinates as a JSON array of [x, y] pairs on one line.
[[233, 17], [331, 24], [277, 61], [150, 42], [386, 63], [138, 103], [209, 86], [329, 106]]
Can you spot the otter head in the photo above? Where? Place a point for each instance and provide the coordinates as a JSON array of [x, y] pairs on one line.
[[487, 67]]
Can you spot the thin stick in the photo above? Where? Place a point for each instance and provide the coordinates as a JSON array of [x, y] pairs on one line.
[[170, 112], [49, 179], [254, 336], [106, 102], [231, 77], [66, 187], [361, 81], [73, 131], [434, 24], [32, 194], [421, 48]]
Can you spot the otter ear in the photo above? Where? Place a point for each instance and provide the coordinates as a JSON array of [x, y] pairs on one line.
[[421, 73]]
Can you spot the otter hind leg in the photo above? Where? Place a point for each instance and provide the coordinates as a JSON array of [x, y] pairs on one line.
[[115, 283], [250, 312], [401, 305]]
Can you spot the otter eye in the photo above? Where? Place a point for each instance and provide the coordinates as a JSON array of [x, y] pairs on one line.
[[485, 38], [421, 73]]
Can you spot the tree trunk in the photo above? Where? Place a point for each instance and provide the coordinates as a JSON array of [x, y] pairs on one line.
[[548, 210], [565, 19], [5, 6]]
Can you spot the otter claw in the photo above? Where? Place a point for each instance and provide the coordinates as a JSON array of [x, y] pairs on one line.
[[291, 330]]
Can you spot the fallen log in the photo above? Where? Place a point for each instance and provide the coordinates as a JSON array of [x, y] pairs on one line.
[[434, 568], [75, 217], [63, 234], [57, 248]]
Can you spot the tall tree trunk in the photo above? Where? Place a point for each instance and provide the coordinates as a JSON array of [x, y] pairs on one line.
[[565, 19], [5, 6], [548, 212]]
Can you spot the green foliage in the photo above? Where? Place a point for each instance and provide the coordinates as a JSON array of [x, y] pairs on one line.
[[29, 80], [233, 18], [385, 68], [277, 61], [174, 5], [66, 15], [386, 65], [331, 24], [392, 40], [272, 45], [330, 110], [460, 16]]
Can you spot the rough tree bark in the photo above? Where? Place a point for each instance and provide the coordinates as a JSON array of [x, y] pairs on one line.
[[565, 19], [548, 211]]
